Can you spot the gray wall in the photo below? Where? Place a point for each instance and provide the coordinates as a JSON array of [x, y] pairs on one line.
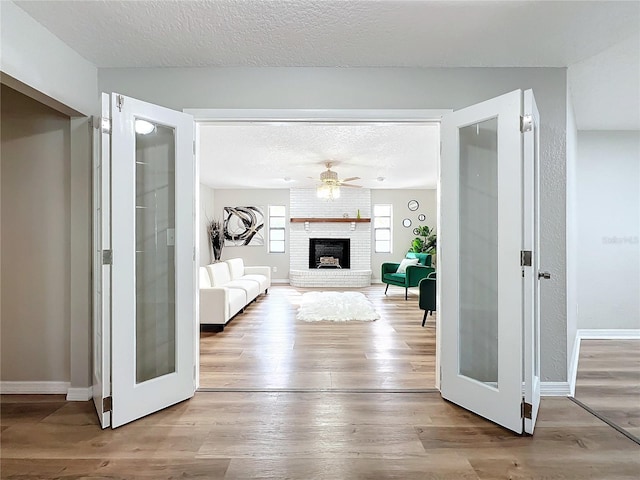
[[256, 255], [380, 88], [35, 270], [608, 229], [402, 236]]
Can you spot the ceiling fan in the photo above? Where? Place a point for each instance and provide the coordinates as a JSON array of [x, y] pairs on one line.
[[330, 178]]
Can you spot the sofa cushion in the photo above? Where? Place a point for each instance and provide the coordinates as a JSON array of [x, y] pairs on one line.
[[205, 279], [395, 277], [261, 280], [237, 300], [250, 287], [236, 268], [219, 273]]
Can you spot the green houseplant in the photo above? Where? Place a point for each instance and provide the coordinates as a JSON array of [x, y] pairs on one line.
[[426, 241]]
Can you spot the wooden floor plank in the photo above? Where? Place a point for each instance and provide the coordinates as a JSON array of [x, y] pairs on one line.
[[319, 435], [266, 347], [608, 381]]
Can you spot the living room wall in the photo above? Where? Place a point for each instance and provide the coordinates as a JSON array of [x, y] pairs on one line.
[[402, 236], [255, 255]]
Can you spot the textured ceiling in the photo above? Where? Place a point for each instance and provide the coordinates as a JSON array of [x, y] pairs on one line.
[[285, 155], [336, 32]]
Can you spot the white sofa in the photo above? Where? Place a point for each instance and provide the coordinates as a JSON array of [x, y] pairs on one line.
[[227, 287]]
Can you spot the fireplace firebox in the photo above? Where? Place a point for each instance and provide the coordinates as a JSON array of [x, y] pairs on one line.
[[329, 253]]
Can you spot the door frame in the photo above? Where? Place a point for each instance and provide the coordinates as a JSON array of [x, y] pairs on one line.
[[206, 115]]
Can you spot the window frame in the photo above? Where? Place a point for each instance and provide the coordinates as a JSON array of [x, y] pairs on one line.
[[389, 228], [283, 229]]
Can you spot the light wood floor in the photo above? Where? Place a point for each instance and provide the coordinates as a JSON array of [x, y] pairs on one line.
[[267, 348], [321, 435], [608, 381]]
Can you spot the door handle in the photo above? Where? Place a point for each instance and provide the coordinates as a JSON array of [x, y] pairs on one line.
[[545, 275]]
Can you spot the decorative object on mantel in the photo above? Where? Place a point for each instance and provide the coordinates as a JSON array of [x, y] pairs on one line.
[[243, 226], [426, 244], [336, 307], [413, 205], [216, 239]]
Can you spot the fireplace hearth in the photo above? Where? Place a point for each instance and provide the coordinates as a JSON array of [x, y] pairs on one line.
[[329, 253]]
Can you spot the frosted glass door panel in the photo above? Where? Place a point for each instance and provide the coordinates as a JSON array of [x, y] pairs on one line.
[[155, 255], [478, 252]]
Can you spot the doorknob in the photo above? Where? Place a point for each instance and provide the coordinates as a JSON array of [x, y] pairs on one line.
[[545, 275]]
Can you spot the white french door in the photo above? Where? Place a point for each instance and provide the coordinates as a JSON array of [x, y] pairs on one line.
[[151, 260], [485, 283]]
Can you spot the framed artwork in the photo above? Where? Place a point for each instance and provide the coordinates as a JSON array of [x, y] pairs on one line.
[[413, 205], [243, 226]]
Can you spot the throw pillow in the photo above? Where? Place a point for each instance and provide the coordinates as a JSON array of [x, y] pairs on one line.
[[402, 268]]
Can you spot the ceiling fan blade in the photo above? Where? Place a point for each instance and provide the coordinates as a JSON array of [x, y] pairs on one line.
[[349, 185], [350, 179]]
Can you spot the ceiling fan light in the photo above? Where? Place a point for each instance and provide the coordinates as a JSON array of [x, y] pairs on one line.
[[328, 192]]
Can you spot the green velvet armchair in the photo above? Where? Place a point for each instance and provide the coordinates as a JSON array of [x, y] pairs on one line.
[[427, 298], [413, 275]]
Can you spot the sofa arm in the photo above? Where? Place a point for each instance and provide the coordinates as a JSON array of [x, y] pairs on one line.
[[214, 305], [259, 270], [389, 267], [415, 273]]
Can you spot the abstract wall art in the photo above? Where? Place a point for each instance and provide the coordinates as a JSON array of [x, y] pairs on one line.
[[243, 226]]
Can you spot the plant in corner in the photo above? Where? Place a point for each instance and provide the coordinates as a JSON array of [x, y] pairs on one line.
[[216, 239], [426, 244]]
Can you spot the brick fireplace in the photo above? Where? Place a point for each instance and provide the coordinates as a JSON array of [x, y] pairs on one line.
[[330, 220]]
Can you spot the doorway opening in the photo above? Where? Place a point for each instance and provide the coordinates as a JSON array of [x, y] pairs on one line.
[[265, 347]]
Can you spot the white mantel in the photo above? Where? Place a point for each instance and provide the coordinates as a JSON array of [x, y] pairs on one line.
[[305, 204]]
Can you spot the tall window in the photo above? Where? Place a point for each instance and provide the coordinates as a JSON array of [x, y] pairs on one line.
[[276, 228], [382, 228]]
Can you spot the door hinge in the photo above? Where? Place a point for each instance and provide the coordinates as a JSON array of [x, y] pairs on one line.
[[526, 410], [119, 102], [526, 123], [107, 257], [107, 404], [194, 147], [525, 258]]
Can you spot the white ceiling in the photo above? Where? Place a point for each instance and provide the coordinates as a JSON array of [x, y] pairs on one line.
[[284, 155], [598, 40], [281, 33]]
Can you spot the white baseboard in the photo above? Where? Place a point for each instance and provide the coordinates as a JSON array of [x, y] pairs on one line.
[[34, 388], [75, 394], [554, 389], [280, 281], [596, 334], [609, 333]]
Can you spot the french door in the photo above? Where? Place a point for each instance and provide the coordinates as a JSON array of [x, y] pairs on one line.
[[144, 339], [488, 250]]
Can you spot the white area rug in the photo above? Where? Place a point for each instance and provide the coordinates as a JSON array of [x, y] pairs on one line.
[[336, 307]]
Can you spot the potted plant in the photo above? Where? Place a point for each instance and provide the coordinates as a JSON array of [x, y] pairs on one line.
[[426, 244], [216, 239]]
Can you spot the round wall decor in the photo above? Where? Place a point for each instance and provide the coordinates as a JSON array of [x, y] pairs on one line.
[[406, 222], [413, 205]]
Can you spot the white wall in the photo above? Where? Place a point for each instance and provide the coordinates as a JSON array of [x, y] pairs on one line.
[[38, 59], [205, 215], [608, 229], [402, 236], [255, 255], [35, 268], [380, 88]]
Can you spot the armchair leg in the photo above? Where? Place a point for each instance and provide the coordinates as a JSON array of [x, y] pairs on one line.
[[424, 318], [406, 293], [385, 290]]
